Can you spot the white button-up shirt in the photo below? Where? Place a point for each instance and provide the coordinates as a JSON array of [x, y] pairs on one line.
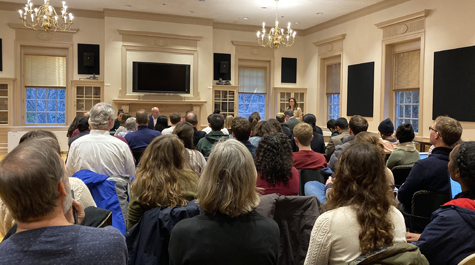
[[101, 153]]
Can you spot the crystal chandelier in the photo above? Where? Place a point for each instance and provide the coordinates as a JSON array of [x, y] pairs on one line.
[[276, 36], [45, 17]]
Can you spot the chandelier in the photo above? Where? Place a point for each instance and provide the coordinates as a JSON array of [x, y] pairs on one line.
[[276, 36], [45, 17]]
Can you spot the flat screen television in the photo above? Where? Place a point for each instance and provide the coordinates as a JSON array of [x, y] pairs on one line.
[[161, 78]]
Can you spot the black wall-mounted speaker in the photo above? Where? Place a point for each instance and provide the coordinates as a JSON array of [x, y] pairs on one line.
[[221, 66], [289, 70], [361, 89], [88, 59]]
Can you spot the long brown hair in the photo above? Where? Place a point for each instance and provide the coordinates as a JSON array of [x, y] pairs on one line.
[[161, 172], [360, 183]]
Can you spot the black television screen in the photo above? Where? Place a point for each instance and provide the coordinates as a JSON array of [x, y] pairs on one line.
[[161, 78]]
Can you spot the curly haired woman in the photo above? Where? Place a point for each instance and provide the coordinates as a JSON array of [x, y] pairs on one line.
[[360, 217], [275, 171]]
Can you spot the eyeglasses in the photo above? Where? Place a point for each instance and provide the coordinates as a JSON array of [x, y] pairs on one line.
[[430, 128]]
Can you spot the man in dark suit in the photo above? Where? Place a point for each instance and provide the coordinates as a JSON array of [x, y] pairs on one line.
[[192, 118], [140, 139], [290, 120], [280, 117], [153, 118]]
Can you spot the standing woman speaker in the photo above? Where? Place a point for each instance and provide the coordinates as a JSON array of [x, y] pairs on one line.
[[294, 105]]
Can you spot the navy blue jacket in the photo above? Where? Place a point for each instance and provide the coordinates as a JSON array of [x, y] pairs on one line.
[[150, 122], [429, 174], [449, 237], [250, 147], [197, 136], [140, 139]]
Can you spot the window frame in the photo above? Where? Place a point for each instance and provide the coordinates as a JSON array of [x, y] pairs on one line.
[[46, 110], [335, 60], [255, 64]]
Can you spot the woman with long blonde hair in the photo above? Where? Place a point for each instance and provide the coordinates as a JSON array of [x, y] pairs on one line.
[[161, 178], [360, 217], [229, 230]]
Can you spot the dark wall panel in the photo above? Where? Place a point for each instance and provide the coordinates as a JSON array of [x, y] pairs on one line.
[[454, 84], [361, 89], [88, 59], [289, 70], [221, 62], [1, 56]]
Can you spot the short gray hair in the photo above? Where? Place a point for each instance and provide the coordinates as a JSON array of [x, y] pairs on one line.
[[100, 115], [131, 124]]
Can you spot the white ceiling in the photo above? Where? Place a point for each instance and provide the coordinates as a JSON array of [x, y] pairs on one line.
[[231, 11]]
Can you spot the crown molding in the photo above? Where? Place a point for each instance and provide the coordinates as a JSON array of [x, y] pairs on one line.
[[20, 26], [245, 43], [353, 15], [421, 14], [159, 35], [332, 39], [157, 17], [10, 6]]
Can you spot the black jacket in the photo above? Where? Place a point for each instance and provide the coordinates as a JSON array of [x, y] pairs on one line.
[[317, 144], [197, 136]]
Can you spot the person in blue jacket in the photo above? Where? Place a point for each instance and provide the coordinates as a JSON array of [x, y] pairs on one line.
[[450, 236]]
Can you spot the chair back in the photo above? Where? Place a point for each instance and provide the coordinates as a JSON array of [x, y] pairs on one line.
[[423, 204], [470, 260], [137, 155], [400, 174], [307, 175]]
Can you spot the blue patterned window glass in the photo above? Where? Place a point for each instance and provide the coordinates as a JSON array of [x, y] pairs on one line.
[[333, 106], [249, 103], [45, 105], [407, 108]]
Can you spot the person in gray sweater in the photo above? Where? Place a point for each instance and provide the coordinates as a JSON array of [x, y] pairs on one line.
[[405, 152]]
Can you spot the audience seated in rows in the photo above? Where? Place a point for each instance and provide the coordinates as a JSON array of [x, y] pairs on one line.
[[405, 152], [153, 118], [331, 126], [193, 159], [123, 119], [306, 158], [162, 123], [130, 126], [192, 118], [342, 129], [216, 123], [140, 139], [36, 190], [161, 179], [290, 120], [431, 173], [360, 218], [175, 118], [357, 124], [83, 127], [386, 130], [280, 117], [450, 236], [229, 230], [241, 130], [275, 172], [262, 129], [208, 129], [99, 151], [117, 120], [318, 143]]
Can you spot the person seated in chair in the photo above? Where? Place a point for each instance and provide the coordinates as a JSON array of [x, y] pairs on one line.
[[405, 152], [241, 130], [275, 172], [140, 139], [36, 190], [450, 236], [306, 158], [318, 143], [216, 122], [431, 173]]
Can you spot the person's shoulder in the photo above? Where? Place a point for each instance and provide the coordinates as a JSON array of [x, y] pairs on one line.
[[185, 226], [107, 236]]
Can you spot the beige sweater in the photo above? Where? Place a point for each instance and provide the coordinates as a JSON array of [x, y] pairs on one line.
[[335, 236]]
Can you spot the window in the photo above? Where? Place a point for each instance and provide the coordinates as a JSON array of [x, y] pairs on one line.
[[406, 88], [45, 83], [333, 91], [252, 91]]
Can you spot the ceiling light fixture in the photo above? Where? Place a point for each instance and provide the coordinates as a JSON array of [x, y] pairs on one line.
[[190, 12], [296, 22], [276, 36], [45, 17], [319, 13], [245, 18]]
